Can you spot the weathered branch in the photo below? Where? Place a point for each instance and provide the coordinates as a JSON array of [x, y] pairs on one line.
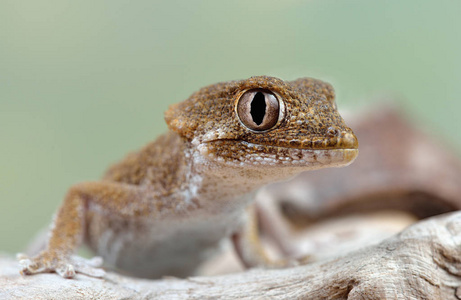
[[422, 262]]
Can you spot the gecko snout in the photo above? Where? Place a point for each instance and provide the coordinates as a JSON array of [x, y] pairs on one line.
[[347, 140]]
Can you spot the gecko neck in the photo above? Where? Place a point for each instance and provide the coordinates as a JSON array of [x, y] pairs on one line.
[[175, 169], [229, 184]]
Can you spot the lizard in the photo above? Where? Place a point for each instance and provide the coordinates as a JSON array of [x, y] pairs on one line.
[[166, 208]]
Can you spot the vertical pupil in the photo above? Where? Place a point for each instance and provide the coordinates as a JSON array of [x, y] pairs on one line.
[[258, 108]]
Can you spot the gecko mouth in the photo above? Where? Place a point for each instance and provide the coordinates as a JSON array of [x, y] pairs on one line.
[[344, 141], [314, 158], [327, 154]]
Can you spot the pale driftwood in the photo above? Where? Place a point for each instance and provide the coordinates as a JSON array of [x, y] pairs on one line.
[[422, 262]]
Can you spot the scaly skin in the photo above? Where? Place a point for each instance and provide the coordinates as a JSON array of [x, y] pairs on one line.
[[164, 209]]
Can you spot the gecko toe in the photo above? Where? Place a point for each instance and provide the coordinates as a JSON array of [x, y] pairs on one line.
[[89, 267], [66, 271], [29, 267]]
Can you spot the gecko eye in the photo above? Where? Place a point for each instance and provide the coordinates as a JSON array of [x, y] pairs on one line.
[[258, 109]]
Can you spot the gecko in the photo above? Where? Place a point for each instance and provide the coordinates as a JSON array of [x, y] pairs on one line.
[[166, 208]]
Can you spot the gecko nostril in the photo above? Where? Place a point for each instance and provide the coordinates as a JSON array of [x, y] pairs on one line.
[[332, 131]]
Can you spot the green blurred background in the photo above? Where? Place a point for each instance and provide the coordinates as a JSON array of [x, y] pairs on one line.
[[84, 82]]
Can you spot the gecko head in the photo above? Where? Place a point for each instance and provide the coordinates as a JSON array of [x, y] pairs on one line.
[[265, 121]]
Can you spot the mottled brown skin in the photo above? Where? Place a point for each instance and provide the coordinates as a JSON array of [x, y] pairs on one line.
[[164, 209]]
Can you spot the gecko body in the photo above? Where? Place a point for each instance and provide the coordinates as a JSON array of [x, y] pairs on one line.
[[164, 209]]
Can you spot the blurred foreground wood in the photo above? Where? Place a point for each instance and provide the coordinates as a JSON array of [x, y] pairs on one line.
[[422, 262]]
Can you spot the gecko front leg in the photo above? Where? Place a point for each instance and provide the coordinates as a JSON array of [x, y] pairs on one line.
[[68, 227], [250, 249]]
